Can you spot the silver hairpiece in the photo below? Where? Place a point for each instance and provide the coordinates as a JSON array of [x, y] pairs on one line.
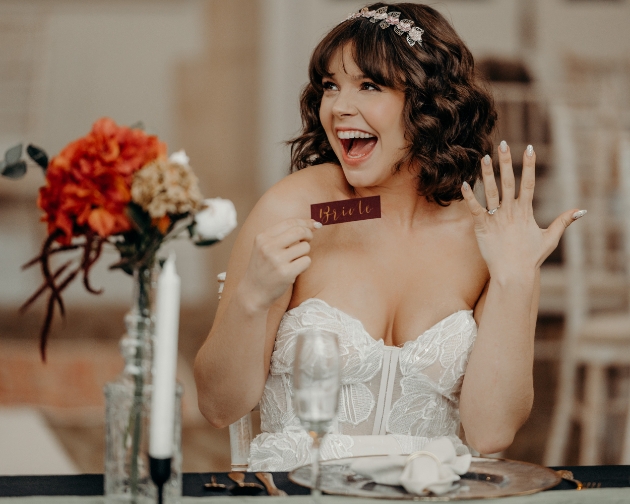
[[387, 19]]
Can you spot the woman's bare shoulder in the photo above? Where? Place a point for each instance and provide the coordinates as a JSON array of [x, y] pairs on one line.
[[293, 196]]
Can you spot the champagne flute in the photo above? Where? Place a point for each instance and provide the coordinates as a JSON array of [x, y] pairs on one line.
[[316, 383]]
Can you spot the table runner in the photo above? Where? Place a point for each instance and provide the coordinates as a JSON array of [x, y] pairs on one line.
[[600, 496]]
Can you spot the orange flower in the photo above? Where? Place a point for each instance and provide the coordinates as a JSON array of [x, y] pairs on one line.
[[88, 183]]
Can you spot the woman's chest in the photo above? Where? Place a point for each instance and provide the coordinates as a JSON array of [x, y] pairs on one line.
[[396, 288]]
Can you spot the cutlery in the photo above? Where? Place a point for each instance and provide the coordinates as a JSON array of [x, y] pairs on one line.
[[568, 475], [241, 487], [213, 485], [271, 487]]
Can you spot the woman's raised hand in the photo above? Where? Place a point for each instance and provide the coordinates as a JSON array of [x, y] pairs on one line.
[[509, 238], [279, 255]]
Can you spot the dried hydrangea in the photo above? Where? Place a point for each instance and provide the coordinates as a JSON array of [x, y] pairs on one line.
[[166, 187]]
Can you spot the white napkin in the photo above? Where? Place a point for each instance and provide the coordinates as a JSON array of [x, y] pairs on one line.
[[433, 469]]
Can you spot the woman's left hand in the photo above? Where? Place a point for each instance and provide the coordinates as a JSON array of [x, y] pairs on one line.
[[507, 234]]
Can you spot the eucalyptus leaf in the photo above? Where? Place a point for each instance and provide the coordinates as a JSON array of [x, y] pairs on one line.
[[191, 229], [14, 170], [205, 243], [13, 155], [38, 155]]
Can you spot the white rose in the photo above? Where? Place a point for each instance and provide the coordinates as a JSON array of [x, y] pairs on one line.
[[179, 158], [216, 220]]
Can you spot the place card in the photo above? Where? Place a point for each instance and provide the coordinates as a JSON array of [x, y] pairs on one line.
[[355, 209]]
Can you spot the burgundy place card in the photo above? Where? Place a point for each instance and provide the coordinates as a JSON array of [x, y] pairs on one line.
[[355, 209]]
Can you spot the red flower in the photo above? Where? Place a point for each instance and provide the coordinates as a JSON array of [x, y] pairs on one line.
[[88, 183]]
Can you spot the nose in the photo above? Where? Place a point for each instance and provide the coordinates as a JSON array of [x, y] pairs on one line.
[[344, 104]]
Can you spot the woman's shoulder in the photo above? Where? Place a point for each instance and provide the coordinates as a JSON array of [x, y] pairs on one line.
[[293, 196]]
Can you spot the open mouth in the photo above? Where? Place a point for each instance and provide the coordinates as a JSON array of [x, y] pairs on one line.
[[357, 144]]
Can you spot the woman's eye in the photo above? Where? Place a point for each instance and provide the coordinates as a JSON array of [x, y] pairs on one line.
[[369, 86], [329, 85]]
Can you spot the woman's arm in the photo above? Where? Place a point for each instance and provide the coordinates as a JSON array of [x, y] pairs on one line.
[[270, 252], [502, 365], [497, 392]]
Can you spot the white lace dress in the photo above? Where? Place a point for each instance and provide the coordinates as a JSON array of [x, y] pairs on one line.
[[393, 400]]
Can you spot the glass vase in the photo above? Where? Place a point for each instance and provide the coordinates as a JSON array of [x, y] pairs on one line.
[[128, 410]]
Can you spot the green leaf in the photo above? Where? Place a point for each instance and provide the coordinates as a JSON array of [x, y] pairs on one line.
[[13, 155], [38, 155], [140, 218], [191, 229], [14, 170], [206, 243]]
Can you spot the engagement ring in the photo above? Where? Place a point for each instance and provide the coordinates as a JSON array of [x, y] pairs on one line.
[[493, 211]]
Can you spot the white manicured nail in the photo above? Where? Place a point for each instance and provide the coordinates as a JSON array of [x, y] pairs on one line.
[[317, 225], [529, 151], [503, 146], [578, 214], [486, 160], [466, 186]]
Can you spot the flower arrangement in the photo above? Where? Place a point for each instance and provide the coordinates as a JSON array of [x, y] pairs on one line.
[[114, 187]]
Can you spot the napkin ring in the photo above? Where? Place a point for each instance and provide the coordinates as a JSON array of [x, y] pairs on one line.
[[417, 454]]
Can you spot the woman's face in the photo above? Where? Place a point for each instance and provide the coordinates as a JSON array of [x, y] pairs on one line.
[[363, 122]]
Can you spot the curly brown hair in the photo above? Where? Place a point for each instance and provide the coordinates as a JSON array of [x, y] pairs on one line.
[[448, 115]]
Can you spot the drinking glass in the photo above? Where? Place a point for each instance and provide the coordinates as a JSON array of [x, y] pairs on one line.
[[316, 382]]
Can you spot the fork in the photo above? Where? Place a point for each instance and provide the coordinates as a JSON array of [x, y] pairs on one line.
[[242, 487]]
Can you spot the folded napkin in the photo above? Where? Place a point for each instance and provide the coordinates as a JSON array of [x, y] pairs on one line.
[[433, 469]]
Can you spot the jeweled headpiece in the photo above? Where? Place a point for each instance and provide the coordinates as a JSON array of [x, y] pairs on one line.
[[387, 19]]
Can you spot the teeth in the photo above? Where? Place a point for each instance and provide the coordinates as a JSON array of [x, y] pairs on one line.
[[353, 134]]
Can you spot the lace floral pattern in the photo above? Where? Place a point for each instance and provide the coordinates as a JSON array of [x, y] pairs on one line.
[[426, 388]]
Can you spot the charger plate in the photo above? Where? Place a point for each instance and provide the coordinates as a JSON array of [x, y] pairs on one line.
[[487, 478]]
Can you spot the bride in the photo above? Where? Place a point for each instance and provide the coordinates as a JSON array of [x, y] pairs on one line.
[[435, 302]]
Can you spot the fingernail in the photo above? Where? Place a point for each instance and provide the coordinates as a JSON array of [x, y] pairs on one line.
[[578, 214], [317, 225], [466, 186], [530, 150], [503, 146], [486, 160]]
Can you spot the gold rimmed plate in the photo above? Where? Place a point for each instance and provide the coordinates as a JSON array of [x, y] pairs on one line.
[[487, 478]]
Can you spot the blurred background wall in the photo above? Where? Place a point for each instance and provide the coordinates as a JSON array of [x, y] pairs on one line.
[[221, 79]]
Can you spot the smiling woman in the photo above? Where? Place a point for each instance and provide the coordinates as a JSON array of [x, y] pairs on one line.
[[447, 115], [434, 302]]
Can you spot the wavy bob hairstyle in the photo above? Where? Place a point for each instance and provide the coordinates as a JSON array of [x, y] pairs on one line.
[[448, 116]]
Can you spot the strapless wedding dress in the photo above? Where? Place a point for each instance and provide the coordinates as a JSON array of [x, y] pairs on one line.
[[393, 400]]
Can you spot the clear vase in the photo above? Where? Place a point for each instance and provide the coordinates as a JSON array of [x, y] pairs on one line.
[[128, 410]]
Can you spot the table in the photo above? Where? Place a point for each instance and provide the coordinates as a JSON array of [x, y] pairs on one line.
[[88, 489]]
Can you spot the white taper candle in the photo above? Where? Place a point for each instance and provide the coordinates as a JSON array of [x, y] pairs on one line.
[[165, 362]]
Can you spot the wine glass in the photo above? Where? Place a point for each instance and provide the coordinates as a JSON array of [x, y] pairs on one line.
[[316, 382]]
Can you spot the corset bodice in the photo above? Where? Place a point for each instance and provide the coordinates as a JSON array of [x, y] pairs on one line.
[[392, 399]]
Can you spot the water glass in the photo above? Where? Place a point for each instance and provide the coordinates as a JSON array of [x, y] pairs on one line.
[[316, 383]]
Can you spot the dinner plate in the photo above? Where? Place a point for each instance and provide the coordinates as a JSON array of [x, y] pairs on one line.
[[487, 478]]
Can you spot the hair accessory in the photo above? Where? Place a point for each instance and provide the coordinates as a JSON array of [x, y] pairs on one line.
[[387, 19]]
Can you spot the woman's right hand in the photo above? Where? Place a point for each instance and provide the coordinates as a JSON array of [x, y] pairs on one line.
[[279, 255]]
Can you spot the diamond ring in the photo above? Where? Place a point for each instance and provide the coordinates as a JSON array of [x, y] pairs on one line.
[[493, 211]]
